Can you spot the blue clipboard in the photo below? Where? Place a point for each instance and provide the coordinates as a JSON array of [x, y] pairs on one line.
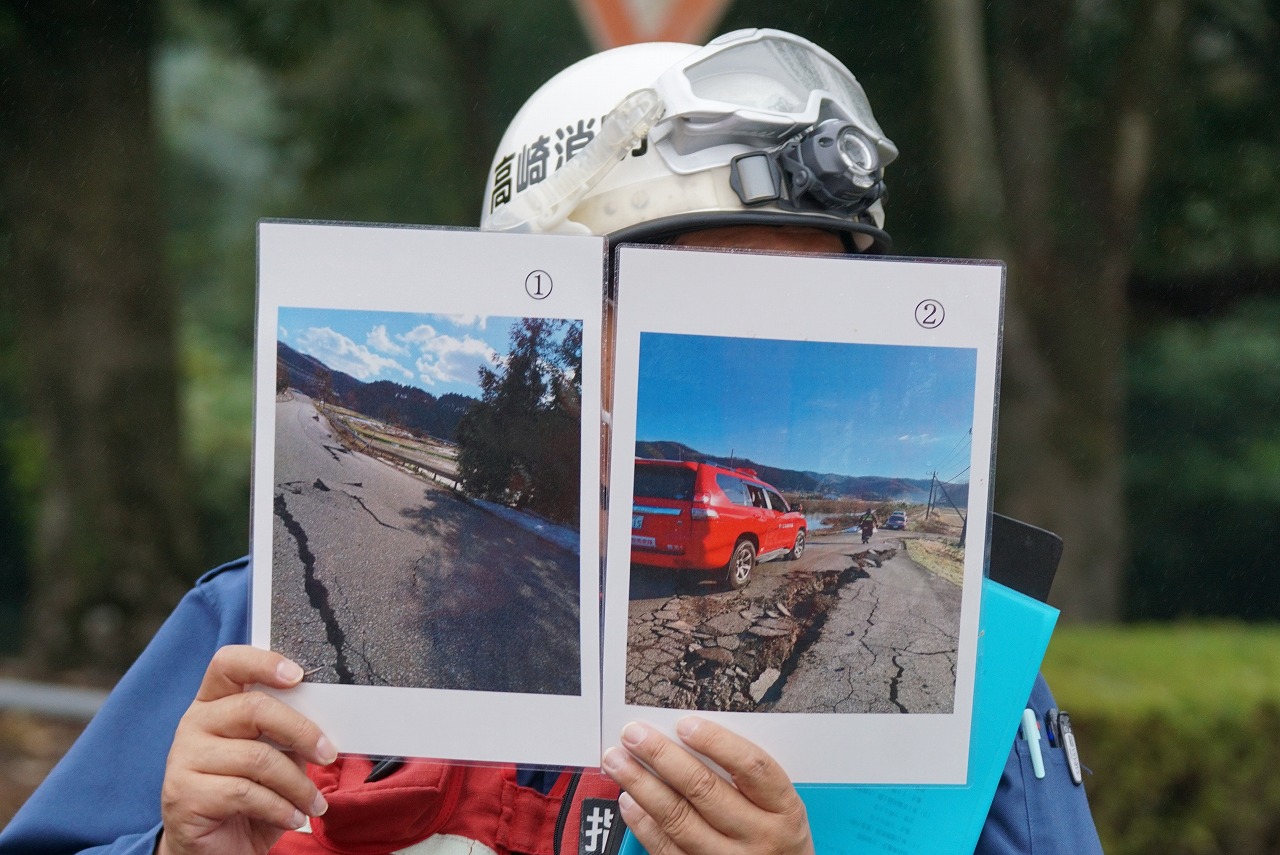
[[1014, 632]]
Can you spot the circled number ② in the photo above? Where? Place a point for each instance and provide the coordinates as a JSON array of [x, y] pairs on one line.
[[538, 285], [929, 314]]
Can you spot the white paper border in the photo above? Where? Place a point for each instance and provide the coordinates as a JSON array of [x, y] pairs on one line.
[[829, 299], [435, 271]]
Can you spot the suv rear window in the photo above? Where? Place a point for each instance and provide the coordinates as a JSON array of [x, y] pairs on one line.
[[664, 482], [733, 489]]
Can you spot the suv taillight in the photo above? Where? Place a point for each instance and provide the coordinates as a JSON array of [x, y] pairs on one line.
[[701, 509]]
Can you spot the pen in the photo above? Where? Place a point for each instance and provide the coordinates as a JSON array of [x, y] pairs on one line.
[[1069, 745], [382, 767], [1031, 732], [1051, 727]]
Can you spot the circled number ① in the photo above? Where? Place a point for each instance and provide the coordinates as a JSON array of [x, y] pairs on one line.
[[929, 314], [538, 285]]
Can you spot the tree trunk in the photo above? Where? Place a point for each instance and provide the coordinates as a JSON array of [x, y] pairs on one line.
[[96, 328], [1067, 213], [469, 38]]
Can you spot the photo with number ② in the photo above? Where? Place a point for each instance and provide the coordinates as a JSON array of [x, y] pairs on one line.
[[798, 524], [427, 500]]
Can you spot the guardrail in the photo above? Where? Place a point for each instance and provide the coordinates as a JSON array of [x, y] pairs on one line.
[[66, 702]]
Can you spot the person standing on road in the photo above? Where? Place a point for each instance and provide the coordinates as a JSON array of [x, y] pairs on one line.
[[760, 140], [868, 525]]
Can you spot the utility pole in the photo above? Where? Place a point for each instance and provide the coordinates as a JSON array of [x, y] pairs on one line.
[[964, 517]]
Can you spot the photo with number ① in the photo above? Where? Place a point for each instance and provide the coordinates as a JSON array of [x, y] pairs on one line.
[[427, 499], [797, 525]]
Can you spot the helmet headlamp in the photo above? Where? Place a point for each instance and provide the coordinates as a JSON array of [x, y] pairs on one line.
[[831, 167]]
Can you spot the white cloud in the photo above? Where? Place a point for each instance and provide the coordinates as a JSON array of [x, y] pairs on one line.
[[419, 335], [446, 359], [342, 354], [284, 333], [918, 439], [477, 321], [380, 341]]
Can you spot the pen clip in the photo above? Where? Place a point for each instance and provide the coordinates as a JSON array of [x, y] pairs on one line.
[[1069, 745]]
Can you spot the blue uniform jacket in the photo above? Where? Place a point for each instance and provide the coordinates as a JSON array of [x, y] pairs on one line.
[[104, 796]]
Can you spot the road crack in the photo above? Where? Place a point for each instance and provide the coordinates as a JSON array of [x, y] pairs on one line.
[[359, 501], [894, 682], [316, 591], [335, 450]]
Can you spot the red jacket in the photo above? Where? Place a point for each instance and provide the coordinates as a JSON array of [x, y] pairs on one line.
[[462, 805]]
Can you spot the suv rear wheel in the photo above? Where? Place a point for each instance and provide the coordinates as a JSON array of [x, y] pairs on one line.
[[741, 563], [798, 549]]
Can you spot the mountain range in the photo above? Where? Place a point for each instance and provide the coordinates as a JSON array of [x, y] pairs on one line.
[[805, 483], [420, 411], [393, 403]]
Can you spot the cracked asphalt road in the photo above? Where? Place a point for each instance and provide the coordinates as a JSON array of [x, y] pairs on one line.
[[382, 578], [884, 640], [888, 644]]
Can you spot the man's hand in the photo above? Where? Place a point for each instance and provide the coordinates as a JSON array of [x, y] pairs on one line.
[[228, 789], [683, 807]]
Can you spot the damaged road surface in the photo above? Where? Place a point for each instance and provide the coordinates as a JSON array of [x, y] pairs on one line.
[[380, 577], [849, 628]]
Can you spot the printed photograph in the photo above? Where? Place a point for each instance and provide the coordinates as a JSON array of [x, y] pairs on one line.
[[798, 525], [427, 500]]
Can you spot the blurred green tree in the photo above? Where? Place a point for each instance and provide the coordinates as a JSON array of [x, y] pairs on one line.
[[1090, 117], [1047, 164], [1205, 491], [1075, 142], [95, 315], [1078, 141], [300, 109], [395, 107]]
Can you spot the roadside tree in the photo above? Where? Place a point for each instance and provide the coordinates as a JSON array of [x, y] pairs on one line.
[[519, 444]]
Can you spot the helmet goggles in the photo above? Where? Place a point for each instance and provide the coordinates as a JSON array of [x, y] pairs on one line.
[[754, 88]]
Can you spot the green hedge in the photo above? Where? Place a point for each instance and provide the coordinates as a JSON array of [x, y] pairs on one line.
[[1180, 725]]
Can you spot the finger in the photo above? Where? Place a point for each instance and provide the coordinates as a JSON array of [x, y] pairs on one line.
[[646, 830], [692, 804], [237, 665], [756, 774], [664, 821], [261, 763], [688, 775], [255, 715], [221, 798]]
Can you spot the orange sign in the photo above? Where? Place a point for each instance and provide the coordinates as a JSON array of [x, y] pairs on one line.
[[612, 23]]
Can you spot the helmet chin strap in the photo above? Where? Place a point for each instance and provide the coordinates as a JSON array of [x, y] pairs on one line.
[[547, 205]]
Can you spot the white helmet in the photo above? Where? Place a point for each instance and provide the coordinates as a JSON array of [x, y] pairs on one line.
[[646, 141]]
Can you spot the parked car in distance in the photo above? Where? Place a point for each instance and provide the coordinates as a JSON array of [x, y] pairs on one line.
[[897, 521], [699, 516]]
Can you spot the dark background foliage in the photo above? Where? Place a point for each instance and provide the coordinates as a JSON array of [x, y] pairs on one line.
[[1121, 156]]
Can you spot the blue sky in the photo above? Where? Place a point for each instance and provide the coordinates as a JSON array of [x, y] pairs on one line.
[[438, 353], [848, 409]]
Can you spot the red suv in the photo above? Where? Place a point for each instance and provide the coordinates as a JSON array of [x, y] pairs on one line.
[[698, 516]]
